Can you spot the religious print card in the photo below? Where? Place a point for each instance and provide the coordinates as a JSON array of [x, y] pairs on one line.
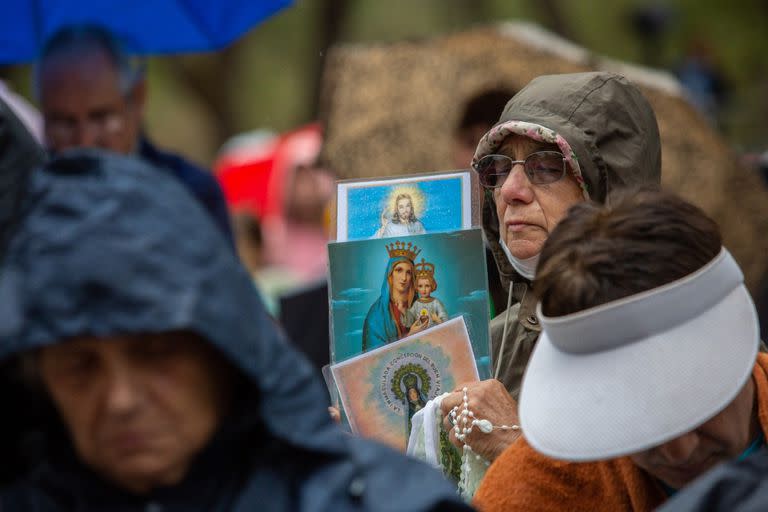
[[382, 389], [382, 290], [403, 206]]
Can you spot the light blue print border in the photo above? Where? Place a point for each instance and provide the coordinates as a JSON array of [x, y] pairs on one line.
[[445, 205]]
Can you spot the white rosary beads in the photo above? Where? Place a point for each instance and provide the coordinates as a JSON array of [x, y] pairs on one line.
[[464, 421]]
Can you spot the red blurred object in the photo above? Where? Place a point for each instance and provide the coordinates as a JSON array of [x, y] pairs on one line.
[[258, 174], [255, 170]]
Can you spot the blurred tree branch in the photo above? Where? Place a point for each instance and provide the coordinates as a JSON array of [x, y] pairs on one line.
[[328, 30]]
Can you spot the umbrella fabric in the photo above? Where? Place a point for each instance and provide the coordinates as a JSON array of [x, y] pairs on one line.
[[146, 26]]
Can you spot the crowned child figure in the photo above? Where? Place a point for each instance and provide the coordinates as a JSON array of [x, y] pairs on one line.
[[425, 310]]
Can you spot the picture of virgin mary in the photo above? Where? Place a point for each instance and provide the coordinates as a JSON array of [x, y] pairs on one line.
[[414, 399], [383, 323]]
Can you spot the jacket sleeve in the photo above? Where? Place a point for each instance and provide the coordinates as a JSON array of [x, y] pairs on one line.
[[517, 350], [217, 207], [521, 479]]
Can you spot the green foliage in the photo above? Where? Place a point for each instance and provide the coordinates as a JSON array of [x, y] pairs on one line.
[[450, 458]]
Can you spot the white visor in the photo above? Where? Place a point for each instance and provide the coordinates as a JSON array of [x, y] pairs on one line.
[[634, 373]]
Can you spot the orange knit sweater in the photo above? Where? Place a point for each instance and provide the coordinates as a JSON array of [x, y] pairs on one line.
[[522, 479]]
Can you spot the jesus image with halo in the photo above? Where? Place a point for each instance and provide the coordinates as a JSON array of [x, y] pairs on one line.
[[400, 214]]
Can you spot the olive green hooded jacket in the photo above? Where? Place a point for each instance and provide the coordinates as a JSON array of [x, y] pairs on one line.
[[608, 133]]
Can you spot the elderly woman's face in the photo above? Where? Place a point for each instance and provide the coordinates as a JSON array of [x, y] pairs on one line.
[[723, 437], [528, 213], [138, 408]]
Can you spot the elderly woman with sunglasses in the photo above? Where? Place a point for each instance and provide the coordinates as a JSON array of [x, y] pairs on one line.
[[561, 140]]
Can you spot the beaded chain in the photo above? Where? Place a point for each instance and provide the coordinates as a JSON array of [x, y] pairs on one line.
[[464, 421]]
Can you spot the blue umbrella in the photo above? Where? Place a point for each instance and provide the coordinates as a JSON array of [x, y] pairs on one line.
[[145, 26]]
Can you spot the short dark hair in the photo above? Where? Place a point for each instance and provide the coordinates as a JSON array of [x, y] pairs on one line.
[[88, 38], [639, 240], [484, 109]]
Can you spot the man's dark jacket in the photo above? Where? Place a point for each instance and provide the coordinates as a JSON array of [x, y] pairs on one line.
[[198, 181], [108, 245]]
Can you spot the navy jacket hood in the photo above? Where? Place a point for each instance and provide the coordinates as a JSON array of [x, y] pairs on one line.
[[106, 245], [19, 154]]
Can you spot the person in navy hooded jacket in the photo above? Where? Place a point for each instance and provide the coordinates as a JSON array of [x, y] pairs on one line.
[[151, 374]]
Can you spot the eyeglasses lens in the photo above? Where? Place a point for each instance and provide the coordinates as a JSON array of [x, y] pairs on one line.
[[545, 167], [542, 167]]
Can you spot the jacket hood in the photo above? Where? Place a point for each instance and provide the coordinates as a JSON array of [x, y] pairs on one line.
[[19, 154], [602, 123], [109, 245]]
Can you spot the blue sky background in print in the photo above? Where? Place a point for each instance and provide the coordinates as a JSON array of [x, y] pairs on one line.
[[441, 211]]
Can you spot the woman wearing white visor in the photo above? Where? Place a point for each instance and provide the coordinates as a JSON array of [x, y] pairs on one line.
[[647, 372]]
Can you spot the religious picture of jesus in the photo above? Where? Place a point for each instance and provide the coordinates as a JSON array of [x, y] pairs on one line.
[[399, 219], [401, 206]]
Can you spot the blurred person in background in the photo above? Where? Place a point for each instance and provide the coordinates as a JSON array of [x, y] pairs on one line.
[[704, 79], [276, 180], [560, 140], [20, 155], [270, 280], [93, 94], [158, 380], [281, 198], [296, 237], [647, 372], [478, 116], [26, 113]]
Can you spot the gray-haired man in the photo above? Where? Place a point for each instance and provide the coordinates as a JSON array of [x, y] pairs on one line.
[[92, 94]]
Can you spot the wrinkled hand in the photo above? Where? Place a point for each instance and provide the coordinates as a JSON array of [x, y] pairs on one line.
[[488, 400]]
